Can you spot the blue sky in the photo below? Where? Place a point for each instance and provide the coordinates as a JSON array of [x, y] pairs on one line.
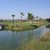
[[39, 8]]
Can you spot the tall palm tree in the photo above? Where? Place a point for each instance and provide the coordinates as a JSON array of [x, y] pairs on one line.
[[21, 16], [13, 19], [30, 17]]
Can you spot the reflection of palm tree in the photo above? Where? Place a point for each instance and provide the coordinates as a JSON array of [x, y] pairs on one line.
[[13, 19], [13, 41], [21, 39], [11, 45], [30, 36]]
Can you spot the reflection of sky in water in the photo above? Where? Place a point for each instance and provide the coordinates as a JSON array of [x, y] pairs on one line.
[[15, 39]]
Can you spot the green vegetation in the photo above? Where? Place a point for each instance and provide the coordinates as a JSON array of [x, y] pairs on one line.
[[21, 16], [41, 44], [48, 19], [30, 16], [24, 25], [19, 25], [48, 26]]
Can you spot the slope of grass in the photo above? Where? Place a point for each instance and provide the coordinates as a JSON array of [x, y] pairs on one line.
[[41, 44]]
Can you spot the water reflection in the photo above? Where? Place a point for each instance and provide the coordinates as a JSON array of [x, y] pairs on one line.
[[10, 40], [13, 41]]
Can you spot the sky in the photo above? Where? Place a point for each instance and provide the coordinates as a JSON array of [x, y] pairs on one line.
[[39, 8]]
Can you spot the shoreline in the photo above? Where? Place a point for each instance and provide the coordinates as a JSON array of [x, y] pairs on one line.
[[22, 26]]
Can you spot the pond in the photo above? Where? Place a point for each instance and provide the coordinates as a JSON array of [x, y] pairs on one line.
[[13, 39]]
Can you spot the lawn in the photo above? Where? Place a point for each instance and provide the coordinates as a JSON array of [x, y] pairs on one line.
[[26, 25]]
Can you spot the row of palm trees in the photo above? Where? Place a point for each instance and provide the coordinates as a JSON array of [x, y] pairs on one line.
[[14, 16], [30, 17]]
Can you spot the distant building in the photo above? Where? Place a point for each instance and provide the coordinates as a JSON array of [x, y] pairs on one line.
[[2, 26], [36, 18]]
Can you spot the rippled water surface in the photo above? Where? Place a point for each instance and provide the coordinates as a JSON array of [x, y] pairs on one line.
[[13, 39]]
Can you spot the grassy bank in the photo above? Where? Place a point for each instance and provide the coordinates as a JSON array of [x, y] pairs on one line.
[[19, 26], [41, 44]]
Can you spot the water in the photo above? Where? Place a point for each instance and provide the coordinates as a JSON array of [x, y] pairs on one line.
[[13, 40]]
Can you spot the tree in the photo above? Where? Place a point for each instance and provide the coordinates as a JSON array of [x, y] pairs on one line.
[[30, 17], [48, 19], [13, 19], [21, 16]]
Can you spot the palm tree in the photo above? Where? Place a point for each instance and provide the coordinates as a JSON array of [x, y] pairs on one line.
[[13, 19], [30, 17], [21, 16]]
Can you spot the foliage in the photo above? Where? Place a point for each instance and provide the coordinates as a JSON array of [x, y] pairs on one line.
[[34, 26], [48, 26], [40, 44], [24, 26], [30, 16], [22, 13], [13, 15], [48, 19]]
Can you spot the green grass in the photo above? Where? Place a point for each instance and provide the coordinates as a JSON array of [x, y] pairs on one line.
[[18, 26], [41, 44]]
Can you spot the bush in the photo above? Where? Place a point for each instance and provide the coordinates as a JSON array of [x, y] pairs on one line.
[[34, 26], [48, 26], [48, 19]]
